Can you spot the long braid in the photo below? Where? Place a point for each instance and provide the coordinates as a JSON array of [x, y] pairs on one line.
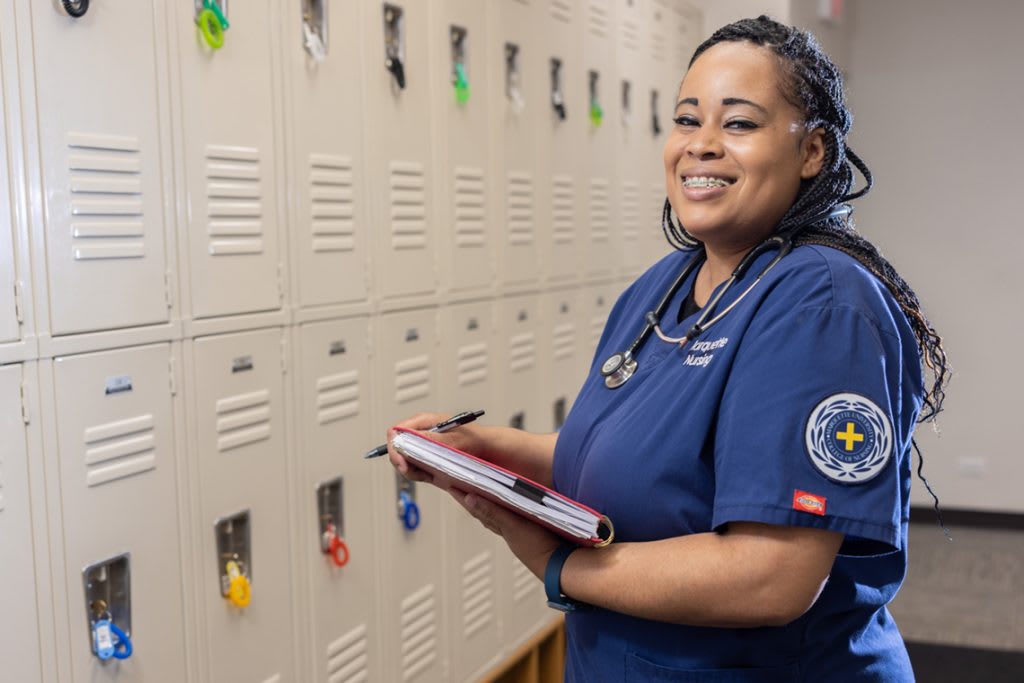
[[815, 85]]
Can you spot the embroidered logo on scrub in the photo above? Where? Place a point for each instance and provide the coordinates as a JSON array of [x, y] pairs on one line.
[[849, 438], [808, 502], [701, 352]]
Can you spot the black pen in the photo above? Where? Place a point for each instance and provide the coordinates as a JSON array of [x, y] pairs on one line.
[[450, 423]]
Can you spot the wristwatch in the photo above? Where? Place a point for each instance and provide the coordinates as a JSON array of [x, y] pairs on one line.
[[553, 580]]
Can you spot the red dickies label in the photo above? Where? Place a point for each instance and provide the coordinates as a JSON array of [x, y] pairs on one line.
[[808, 502]]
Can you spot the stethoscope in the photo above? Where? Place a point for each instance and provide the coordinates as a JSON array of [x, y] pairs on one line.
[[621, 366]]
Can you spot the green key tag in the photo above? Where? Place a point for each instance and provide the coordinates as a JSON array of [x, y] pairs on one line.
[[596, 114], [461, 84], [214, 7]]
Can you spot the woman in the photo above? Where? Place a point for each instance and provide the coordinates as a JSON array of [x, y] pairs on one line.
[[758, 473]]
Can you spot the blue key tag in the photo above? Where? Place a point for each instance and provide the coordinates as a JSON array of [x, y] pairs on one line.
[[102, 639]]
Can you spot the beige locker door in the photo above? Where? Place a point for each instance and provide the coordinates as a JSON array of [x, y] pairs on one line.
[[335, 403], [599, 213], [227, 105], [118, 492], [468, 364], [99, 138], [9, 327], [561, 359], [468, 257], [326, 180], [241, 455], [518, 111], [413, 596], [567, 197], [519, 335], [400, 160], [596, 303], [666, 78], [19, 648]]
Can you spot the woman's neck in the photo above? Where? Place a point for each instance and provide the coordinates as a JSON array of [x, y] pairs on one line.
[[721, 261]]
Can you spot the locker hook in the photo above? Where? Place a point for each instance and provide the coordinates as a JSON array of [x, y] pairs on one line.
[[336, 546], [75, 8], [410, 511]]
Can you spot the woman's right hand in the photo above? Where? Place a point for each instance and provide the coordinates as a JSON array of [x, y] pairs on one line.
[[465, 438]]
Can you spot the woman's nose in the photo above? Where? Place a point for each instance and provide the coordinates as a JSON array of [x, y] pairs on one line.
[[704, 143]]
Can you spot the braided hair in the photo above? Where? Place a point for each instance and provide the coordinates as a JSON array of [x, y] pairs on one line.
[[813, 84]]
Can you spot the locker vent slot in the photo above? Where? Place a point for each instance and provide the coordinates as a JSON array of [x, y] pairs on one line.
[[337, 397], [243, 419], [598, 18], [630, 208], [562, 207], [419, 632], [332, 210], [631, 35], [659, 50], [119, 449], [234, 201], [563, 341], [524, 583], [522, 351], [599, 222], [658, 200], [348, 658], [520, 208], [596, 328], [477, 593], [276, 678], [105, 191], [471, 366], [408, 205], [561, 10], [412, 378], [469, 207]]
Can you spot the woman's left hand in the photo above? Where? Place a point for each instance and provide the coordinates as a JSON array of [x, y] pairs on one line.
[[531, 543]]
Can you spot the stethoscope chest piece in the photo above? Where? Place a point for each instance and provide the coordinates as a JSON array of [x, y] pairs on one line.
[[617, 369]]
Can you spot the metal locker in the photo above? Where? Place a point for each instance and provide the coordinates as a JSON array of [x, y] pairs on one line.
[[101, 169], [520, 64], [329, 214], [228, 106], [461, 101], [117, 486], [563, 134], [336, 489], [399, 159], [409, 520], [519, 344], [561, 365], [19, 648], [467, 367], [666, 79], [608, 98], [10, 330], [242, 521], [596, 303]]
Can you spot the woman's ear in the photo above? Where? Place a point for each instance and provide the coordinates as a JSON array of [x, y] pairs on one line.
[[813, 151]]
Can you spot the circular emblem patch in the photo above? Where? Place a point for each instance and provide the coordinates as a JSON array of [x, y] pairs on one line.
[[849, 438]]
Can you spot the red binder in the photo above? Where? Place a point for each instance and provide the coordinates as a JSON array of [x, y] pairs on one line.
[[564, 516]]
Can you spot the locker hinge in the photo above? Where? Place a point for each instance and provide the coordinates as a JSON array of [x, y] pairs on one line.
[[18, 307], [25, 415], [169, 289], [171, 374], [280, 282], [284, 356]]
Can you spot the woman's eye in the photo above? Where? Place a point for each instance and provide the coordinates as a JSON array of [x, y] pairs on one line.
[[685, 121], [741, 124]]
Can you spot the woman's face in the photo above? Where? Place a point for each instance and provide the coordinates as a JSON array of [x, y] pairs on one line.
[[738, 150]]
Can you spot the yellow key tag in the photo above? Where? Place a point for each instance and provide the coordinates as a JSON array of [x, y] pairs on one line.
[[239, 588]]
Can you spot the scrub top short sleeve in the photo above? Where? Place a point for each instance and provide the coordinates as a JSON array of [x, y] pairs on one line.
[[806, 435]]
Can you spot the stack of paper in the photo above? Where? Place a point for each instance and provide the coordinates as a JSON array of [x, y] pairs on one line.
[[519, 494]]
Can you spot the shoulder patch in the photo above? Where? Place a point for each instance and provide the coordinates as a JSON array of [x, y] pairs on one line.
[[849, 438]]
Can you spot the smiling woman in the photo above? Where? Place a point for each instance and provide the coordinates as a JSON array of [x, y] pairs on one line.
[[758, 476]]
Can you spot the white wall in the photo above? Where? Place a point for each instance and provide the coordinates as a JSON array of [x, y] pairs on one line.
[[936, 95]]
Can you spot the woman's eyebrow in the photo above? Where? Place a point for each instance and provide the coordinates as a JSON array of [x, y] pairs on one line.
[[726, 102]]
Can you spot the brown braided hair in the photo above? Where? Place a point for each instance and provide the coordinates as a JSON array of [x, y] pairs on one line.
[[814, 84]]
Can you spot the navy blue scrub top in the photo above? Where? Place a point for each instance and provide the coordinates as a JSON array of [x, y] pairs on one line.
[[796, 409]]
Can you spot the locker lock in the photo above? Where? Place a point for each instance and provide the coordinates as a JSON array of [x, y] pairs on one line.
[[596, 112], [655, 126], [108, 605], [393, 40], [212, 22], [108, 640], [513, 77], [75, 8], [557, 100], [330, 509], [627, 105], [234, 553], [459, 78]]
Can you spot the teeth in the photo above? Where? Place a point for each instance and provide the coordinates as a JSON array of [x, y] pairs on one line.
[[704, 181]]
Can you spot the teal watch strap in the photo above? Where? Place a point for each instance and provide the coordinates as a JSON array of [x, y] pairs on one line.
[[553, 580]]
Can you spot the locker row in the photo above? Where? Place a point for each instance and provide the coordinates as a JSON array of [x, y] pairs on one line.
[[320, 159], [200, 510]]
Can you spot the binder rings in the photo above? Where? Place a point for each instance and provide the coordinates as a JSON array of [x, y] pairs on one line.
[[536, 502]]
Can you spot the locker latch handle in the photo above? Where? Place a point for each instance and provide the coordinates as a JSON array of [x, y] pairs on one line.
[[335, 546], [212, 23], [512, 76], [393, 44], [655, 126], [108, 640], [627, 104], [596, 112], [314, 29], [557, 101], [75, 8], [409, 511]]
